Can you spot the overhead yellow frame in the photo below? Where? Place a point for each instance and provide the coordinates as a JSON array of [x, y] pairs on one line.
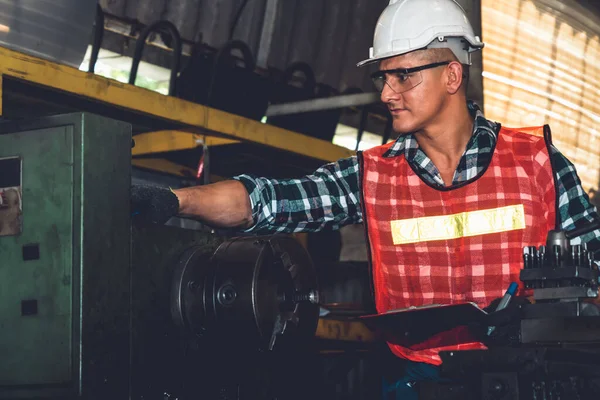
[[162, 165], [196, 118], [199, 124], [164, 141]]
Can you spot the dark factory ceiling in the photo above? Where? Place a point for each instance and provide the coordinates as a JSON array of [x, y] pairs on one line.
[[330, 35]]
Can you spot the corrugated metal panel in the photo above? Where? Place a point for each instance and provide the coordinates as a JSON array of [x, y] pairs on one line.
[[186, 16], [55, 30], [331, 36], [145, 11]]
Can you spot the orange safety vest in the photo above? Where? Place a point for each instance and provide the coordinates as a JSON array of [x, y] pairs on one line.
[[431, 245]]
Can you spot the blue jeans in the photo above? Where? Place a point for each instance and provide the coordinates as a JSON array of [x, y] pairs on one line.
[[404, 387]]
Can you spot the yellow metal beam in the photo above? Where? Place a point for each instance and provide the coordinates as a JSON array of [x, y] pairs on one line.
[[165, 166], [344, 330], [164, 141], [169, 167], [199, 118]]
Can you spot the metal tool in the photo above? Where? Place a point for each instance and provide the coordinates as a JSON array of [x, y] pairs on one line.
[[512, 289]]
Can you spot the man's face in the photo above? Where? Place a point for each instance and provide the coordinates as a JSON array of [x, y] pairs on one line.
[[414, 109]]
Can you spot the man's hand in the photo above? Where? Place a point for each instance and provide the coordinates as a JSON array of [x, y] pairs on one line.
[[153, 203]]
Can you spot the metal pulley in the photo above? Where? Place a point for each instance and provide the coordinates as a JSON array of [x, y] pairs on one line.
[[252, 293]]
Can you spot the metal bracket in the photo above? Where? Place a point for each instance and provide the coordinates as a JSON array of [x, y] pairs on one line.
[[326, 103]]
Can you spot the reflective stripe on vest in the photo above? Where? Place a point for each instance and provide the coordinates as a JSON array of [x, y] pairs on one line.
[[464, 224]]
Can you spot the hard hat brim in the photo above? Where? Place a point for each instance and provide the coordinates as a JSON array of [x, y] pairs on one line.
[[474, 46]]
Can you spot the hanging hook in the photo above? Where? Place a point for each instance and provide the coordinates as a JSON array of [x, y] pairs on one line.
[[162, 25]]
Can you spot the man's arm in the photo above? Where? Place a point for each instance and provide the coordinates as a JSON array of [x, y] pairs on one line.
[[574, 206], [220, 205], [326, 199]]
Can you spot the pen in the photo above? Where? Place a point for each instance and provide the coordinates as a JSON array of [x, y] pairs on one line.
[[512, 289]]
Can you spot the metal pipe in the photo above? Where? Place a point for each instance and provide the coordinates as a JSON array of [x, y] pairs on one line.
[[364, 118], [327, 103], [97, 39], [236, 19], [582, 230]]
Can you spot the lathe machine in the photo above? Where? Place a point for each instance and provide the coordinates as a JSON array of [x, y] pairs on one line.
[[94, 305]]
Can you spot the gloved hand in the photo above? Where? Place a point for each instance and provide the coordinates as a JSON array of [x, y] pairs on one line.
[[507, 323], [153, 203]]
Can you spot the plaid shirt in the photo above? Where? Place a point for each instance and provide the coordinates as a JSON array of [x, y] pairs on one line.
[[329, 198]]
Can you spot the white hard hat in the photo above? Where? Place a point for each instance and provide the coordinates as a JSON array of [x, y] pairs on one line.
[[409, 25]]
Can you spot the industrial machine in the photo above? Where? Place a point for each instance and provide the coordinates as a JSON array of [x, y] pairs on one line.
[[96, 305], [554, 351]]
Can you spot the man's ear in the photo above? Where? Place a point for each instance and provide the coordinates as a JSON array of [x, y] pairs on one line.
[[455, 77]]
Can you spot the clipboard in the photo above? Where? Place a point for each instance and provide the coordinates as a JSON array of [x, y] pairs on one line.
[[429, 326]]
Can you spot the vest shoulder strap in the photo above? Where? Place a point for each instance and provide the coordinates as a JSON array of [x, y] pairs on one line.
[[535, 131]]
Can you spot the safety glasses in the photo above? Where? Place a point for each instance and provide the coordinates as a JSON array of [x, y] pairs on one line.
[[402, 79]]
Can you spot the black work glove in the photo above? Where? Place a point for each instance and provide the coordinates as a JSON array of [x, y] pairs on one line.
[[507, 323], [153, 203]]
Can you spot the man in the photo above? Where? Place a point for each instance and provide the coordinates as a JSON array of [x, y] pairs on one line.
[[447, 207]]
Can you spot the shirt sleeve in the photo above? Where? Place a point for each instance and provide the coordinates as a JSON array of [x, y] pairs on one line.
[[574, 206], [326, 199]]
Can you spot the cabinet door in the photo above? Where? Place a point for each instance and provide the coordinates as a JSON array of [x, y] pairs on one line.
[[36, 258]]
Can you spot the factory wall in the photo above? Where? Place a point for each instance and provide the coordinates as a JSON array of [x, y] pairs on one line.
[[541, 66]]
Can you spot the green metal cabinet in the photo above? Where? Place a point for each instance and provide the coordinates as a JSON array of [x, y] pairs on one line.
[[65, 275]]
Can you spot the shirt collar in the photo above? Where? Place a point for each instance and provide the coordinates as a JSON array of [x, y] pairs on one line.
[[481, 126]]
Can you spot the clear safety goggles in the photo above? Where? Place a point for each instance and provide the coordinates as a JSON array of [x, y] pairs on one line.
[[402, 79]]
